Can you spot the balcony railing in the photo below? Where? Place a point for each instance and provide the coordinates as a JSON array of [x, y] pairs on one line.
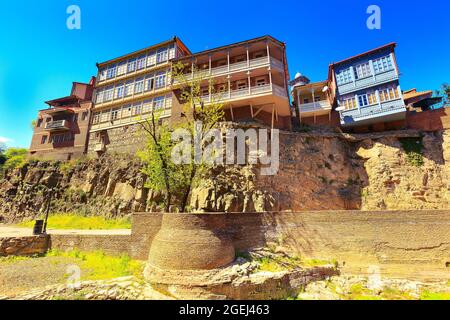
[[234, 67], [314, 106], [245, 93], [57, 125], [373, 111], [367, 82]]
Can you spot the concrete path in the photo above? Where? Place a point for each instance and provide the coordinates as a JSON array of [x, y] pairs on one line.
[[14, 231]]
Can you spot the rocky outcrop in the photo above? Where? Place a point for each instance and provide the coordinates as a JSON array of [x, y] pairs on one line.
[[318, 171]]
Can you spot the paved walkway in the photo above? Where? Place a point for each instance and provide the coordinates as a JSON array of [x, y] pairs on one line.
[[13, 231]]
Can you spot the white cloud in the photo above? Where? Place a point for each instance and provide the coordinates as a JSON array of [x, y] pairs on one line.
[[4, 140]]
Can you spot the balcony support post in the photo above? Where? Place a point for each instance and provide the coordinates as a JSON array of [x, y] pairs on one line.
[[231, 111], [357, 103], [249, 83], [229, 87], [299, 106], [313, 99], [210, 63], [268, 52], [251, 110], [248, 57], [228, 60], [270, 78], [273, 116]]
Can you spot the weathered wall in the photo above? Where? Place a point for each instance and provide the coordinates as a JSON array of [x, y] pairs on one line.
[[431, 120], [23, 245], [113, 244], [412, 243]]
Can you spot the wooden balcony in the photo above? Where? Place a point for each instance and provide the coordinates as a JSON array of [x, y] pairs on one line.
[[384, 112], [59, 125]]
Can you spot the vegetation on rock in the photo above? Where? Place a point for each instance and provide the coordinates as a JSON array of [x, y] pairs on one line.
[[414, 150]]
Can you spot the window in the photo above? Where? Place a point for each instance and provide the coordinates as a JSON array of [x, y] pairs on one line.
[[43, 139], [260, 82], [122, 68], [126, 111], [171, 52], [102, 74], [160, 80], [242, 85], [131, 67], [362, 70], [129, 88], [141, 62], [240, 59], [118, 91], [96, 118], [84, 116], [137, 109], [139, 85], [158, 103], [169, 101], [99, 98], [146, 106], [363, 100], [389, 94], [382, 64], [162, 55], [151, 59], [205, 92], [317, 99], [305, 101], [348, 103], [39, 122], [108, 95], [111, 72], [344, 76], [115, 114], [149, 83]]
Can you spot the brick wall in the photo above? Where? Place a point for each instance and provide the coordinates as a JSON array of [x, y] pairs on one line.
[[113, 244], [411, 243], [430, 120]]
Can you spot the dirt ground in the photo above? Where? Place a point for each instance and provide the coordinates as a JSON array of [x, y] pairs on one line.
[[18, 275]]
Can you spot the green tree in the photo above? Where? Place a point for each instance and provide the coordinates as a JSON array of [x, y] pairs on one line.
[[176, 179], [2, 155], [15, 158]]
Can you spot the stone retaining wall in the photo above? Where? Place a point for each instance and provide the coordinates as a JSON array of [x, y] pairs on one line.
[[23, 246]]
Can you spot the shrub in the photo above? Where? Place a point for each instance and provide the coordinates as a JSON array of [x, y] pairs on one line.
[[414, 150], [15, 158]]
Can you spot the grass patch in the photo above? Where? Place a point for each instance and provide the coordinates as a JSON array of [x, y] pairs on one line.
[[435, 295], [99, 266], [414, 150], [73, 221]]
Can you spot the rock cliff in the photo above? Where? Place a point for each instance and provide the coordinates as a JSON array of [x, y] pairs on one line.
[[318, 170]]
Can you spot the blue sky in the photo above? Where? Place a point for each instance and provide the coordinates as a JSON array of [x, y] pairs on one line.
[[40, 57]]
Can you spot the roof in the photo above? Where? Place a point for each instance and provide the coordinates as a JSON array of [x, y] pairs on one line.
[[409, 94], [427, 102], [311, 85], [66, 100], [333, 64], [56, 110], [137, 52], [237, 44]]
